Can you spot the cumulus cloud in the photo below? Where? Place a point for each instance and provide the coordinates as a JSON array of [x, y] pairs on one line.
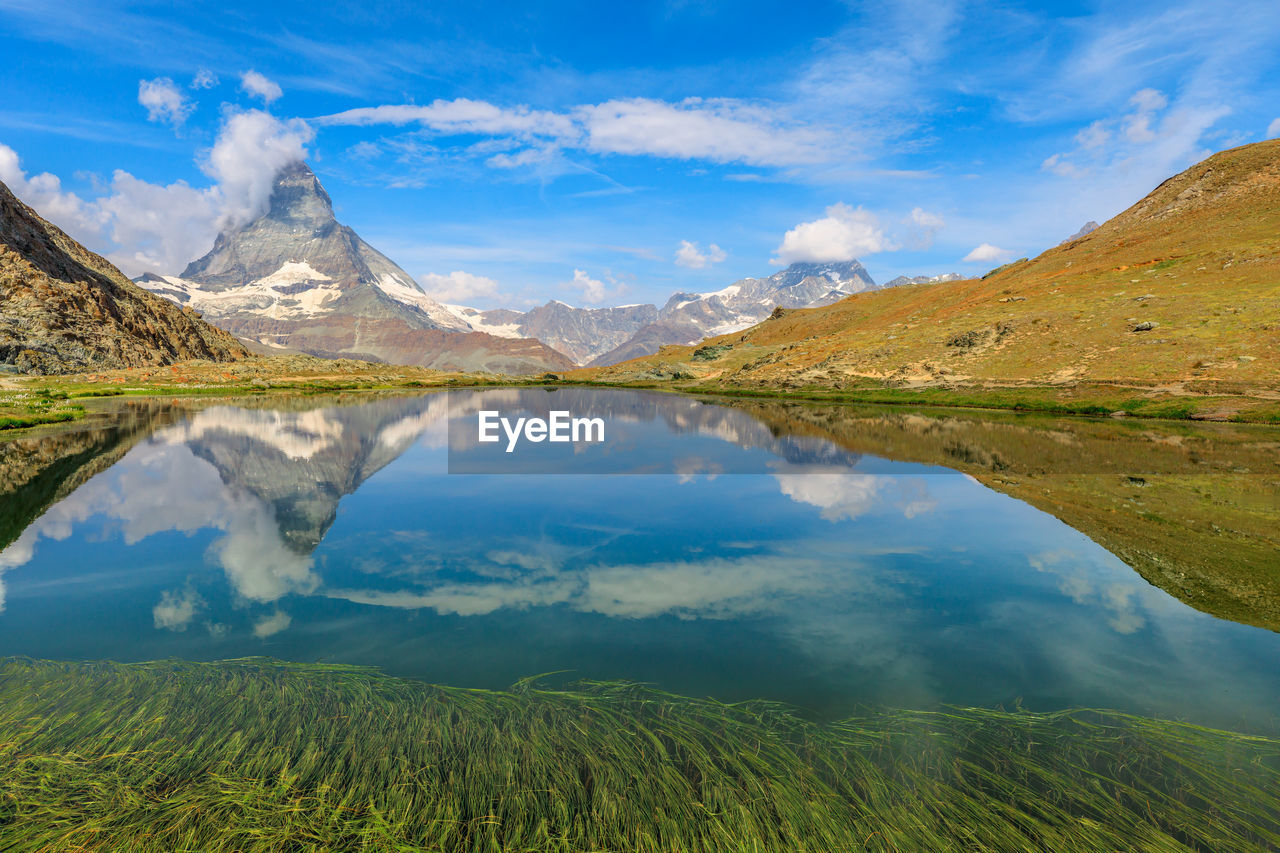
[[1273, 129], [271, 625], [158, 227], [846, 496], [987, 253], [842, 235], [44, 192], [690, 255], [458, 286], [593, 290], [251, 149], [141, 226], [138, 225], [164, 101], [176, 610], [251, 551], [259, 86]]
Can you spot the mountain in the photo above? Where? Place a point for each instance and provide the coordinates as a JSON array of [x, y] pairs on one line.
[[580, 333], [1087, 228], [64, 309], [301, 458], [689, 317], [923, 279], [297, 278], [1183, 287]]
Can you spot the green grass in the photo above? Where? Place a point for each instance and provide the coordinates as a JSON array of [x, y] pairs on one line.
[[1054, 401], [257, 755], [36, 407]]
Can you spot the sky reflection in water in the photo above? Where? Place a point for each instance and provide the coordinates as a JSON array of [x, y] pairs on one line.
[[756, 566]]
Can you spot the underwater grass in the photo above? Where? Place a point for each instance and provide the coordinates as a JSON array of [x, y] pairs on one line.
[[266, 756]]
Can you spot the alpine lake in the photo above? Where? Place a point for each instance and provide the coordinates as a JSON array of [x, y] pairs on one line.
[[343, 622]]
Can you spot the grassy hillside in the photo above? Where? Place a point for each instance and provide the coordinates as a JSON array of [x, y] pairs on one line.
[[1191, 508], [1178, 294]]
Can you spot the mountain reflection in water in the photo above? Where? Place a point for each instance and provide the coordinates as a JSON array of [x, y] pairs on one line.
[[819, 556]]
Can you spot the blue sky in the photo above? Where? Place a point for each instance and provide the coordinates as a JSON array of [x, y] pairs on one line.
[[506, 154]]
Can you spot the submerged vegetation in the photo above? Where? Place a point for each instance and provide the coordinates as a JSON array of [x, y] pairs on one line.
[[261, 755]]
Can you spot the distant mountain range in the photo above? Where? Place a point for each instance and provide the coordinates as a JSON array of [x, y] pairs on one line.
[[604, 336], [64, 309], [1179, 291], [295, 278]]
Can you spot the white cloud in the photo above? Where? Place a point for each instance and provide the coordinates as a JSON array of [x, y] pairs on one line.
[[458, 286], [1061, 167], [840, 496], [463, 116], [271, 625], [176, 611], [923, 227], [259, 86], [925, 219], [204, 79], [593, 290], [257, 561], [142, 226], [720, 130], [987, 253], [1147, 103], [691, 256], [158, 227], [842, 235], [43, 192], [1273, 129], [1124, 156], [165, 101], [252, 147], [1094, 136]]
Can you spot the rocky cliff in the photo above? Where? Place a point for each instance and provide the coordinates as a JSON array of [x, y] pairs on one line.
[[64, 309]]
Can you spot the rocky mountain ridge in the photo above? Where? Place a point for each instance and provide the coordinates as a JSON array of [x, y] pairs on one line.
[[582, 334], [295, 278], [64, 309], [687, 318]]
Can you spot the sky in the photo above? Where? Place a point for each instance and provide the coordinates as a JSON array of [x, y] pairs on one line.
[[506, 154]]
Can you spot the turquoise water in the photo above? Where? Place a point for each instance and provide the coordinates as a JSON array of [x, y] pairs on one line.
[[695, 548]]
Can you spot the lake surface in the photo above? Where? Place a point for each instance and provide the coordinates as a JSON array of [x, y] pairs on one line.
[[700, 547]]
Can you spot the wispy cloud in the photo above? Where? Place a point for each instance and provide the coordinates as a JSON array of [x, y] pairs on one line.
[[720, 130]]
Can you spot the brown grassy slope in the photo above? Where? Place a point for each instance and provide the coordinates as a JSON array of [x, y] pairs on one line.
[[63, 308], [1192, 509], [1199, 257]]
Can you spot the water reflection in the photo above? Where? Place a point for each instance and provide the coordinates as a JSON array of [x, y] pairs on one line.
[[846, 567]]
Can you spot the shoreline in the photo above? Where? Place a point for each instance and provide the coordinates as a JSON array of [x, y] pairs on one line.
[[50, 400]]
